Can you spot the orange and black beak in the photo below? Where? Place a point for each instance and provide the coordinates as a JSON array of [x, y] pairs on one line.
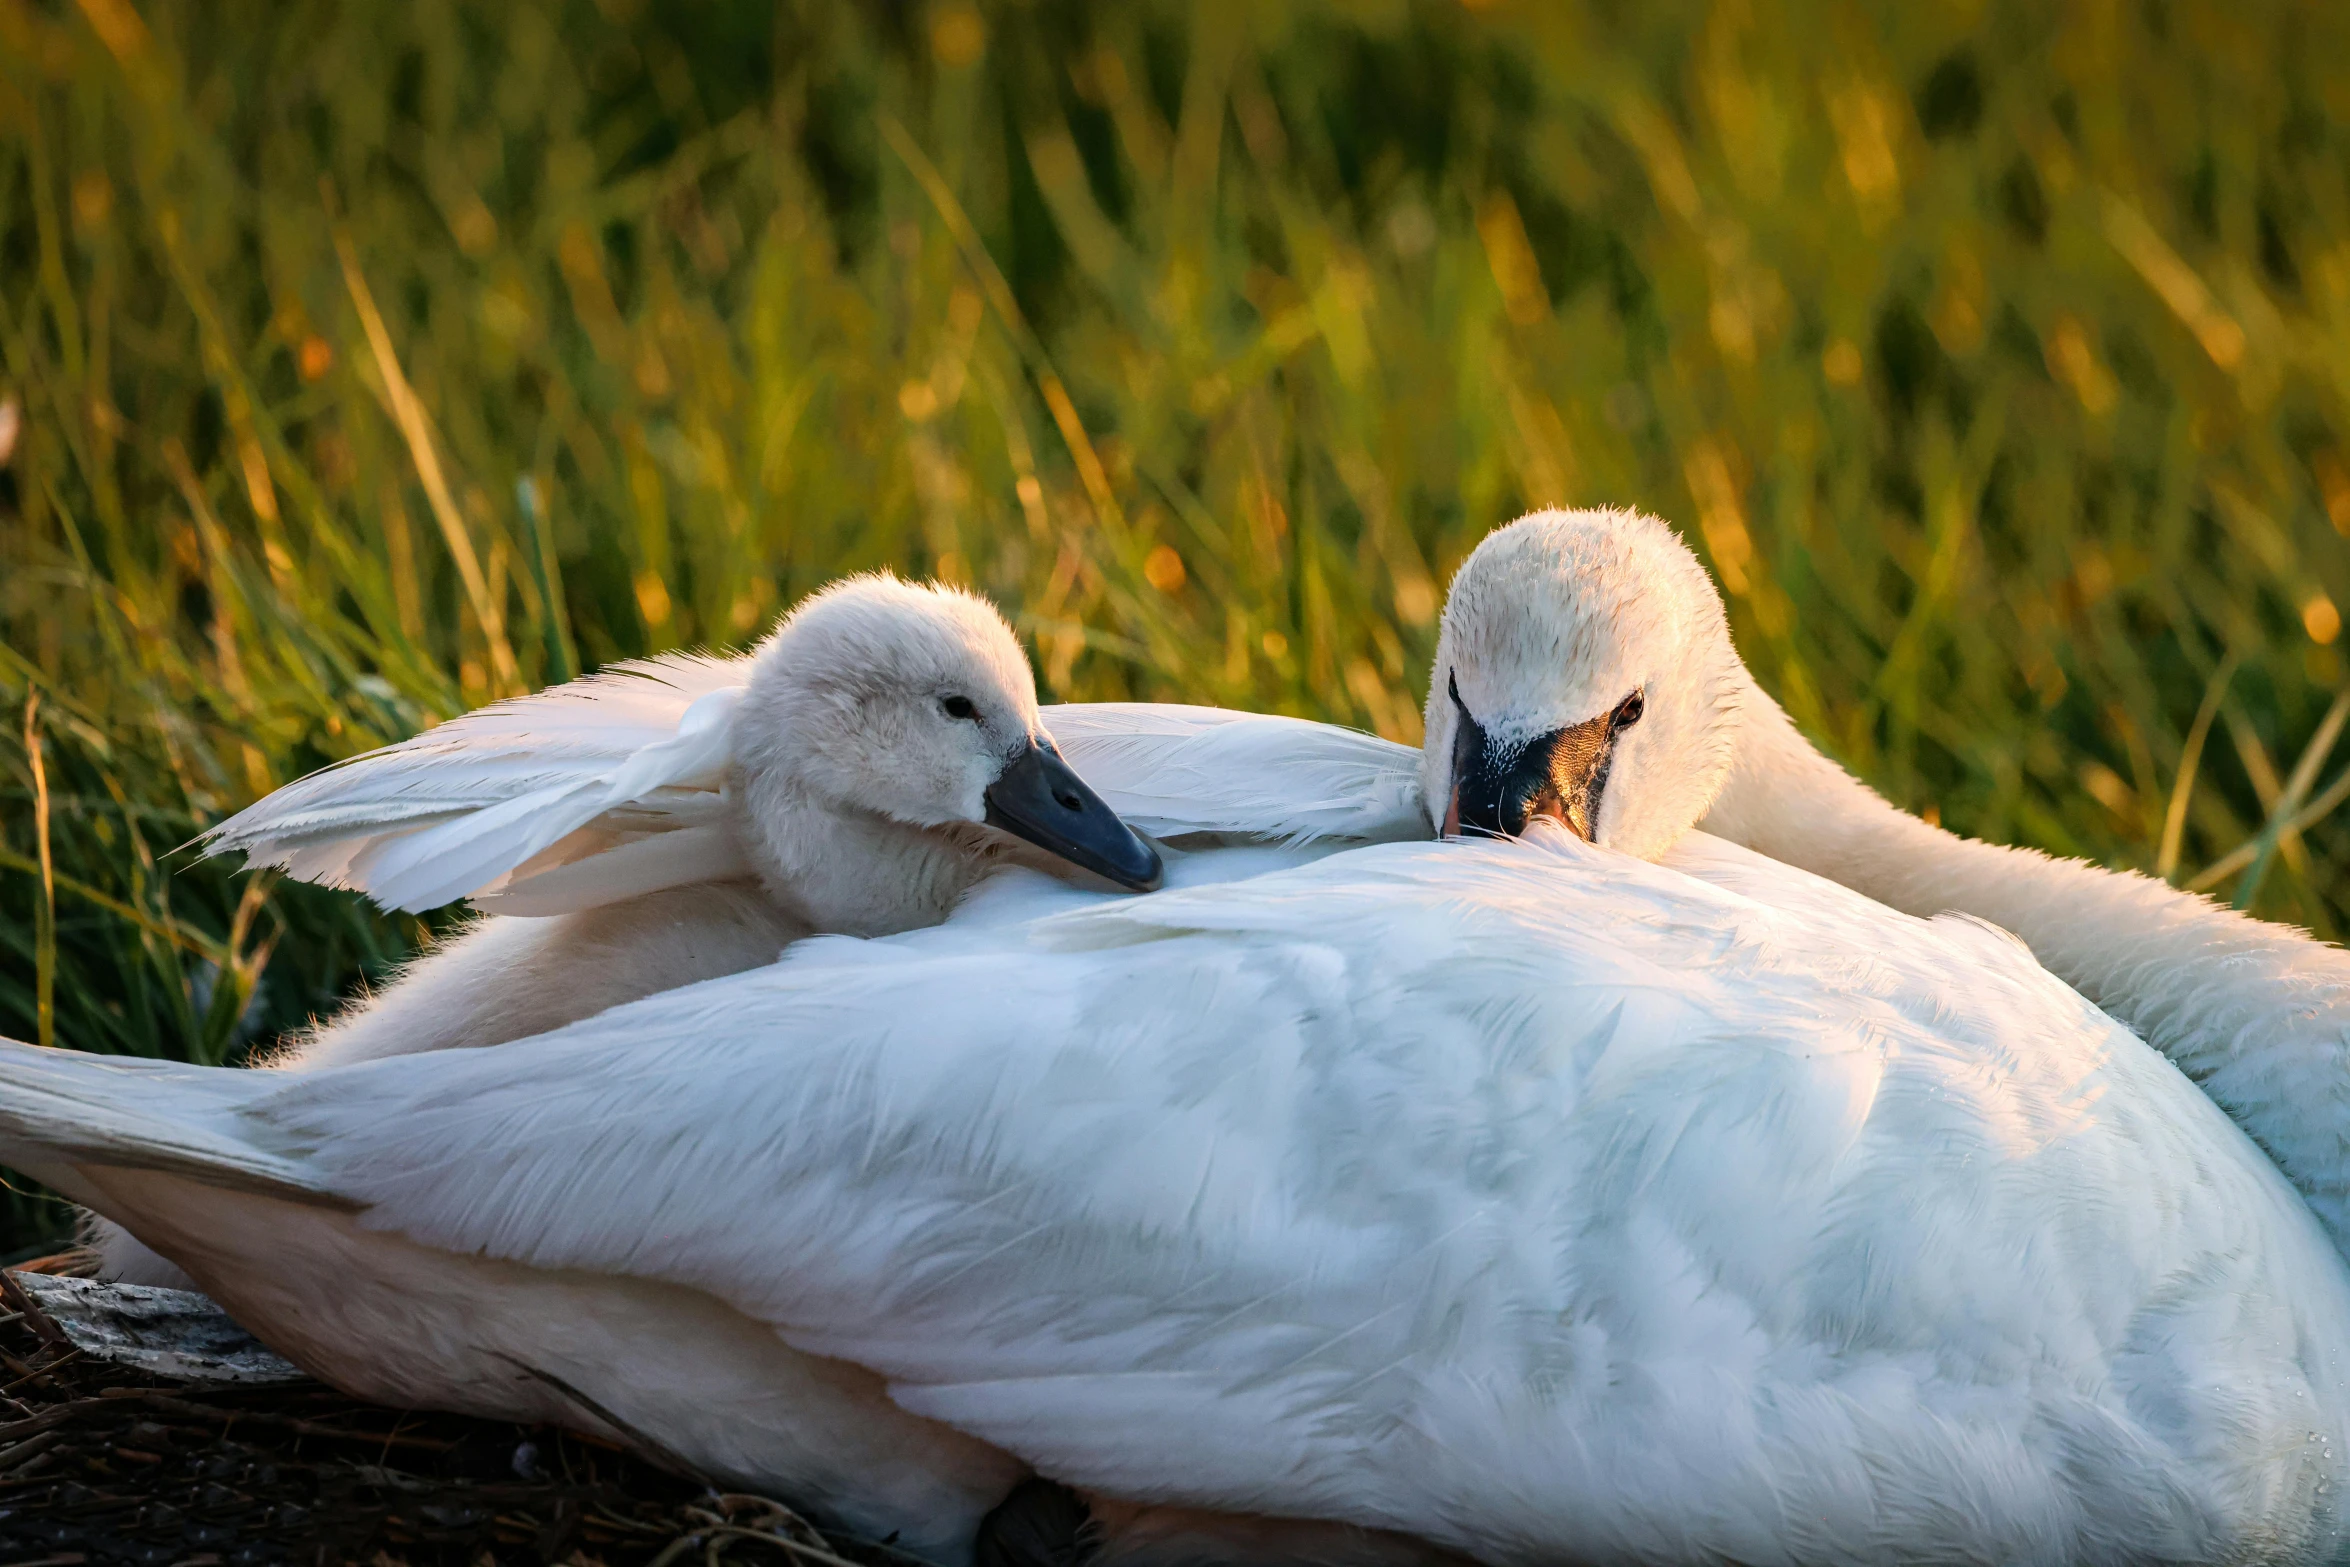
[[1498, 789]]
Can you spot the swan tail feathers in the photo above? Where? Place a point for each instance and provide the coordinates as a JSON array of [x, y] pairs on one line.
[[63, 1109]]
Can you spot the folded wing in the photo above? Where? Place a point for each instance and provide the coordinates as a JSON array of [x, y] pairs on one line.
[[1539, 1201], [1171, 769], [612, 786]]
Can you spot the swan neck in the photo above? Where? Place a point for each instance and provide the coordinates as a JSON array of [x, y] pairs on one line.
[[2254, 1012], [849, 871]]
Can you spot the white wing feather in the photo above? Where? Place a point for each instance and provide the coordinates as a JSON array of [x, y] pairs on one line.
[[555, 778], [63, 1105], [609, 787], [1170, 769]]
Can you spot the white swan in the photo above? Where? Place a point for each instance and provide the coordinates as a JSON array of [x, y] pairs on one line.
[[1526, 1198], [872, 759], [2256, 1013], [686, 817], [831, 749], [1523, 1197]]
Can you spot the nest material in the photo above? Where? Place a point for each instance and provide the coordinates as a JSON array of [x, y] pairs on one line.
[[103, 1463]]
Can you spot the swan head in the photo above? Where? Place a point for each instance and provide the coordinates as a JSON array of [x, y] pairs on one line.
[[1584, 674], [914, 703]]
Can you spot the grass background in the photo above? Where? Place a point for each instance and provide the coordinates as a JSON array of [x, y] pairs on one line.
[[369, 364]]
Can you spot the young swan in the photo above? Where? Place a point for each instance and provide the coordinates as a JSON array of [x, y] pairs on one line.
[[885, 753], [1585, 673], [874, 757], [881, 753]]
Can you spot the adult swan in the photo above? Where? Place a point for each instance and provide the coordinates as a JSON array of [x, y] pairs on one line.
[[1526, 1198], [2257, 1013]]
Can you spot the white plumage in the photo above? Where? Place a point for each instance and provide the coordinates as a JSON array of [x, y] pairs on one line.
[[686, 817], [612, 786], [404, 824], [1174, 770], [1556, 617], [1526, 1198]]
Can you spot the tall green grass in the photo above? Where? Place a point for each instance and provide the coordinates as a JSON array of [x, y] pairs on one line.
[[370, 362]]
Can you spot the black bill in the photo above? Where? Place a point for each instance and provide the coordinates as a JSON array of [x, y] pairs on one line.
[[1497, 790], [1038, 798]]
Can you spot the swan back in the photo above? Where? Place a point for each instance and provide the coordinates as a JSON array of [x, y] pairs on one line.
[[1524, 1196]]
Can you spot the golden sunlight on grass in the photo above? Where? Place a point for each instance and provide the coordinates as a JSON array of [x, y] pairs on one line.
[[389, 359]]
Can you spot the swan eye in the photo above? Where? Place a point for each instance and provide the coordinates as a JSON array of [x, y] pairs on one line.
[[959, 707], [1628, 711]]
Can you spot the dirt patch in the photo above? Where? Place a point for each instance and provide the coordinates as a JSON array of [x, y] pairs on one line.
[[102, 1464]]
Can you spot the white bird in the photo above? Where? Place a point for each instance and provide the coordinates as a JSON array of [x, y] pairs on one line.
[[677, 818], [843, 724], [863, 767], [1526, 1198], [883, 723], [2256, 1013]]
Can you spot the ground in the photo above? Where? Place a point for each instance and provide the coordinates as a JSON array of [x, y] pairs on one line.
[[104, 1466]]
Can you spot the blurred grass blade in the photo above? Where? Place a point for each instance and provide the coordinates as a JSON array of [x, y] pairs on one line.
[[194, 943], [409, 416], [999, 294], [2242, 855], [44, 912], [2175, 282], [2281, 819], [2174, 820], [547, 576]]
